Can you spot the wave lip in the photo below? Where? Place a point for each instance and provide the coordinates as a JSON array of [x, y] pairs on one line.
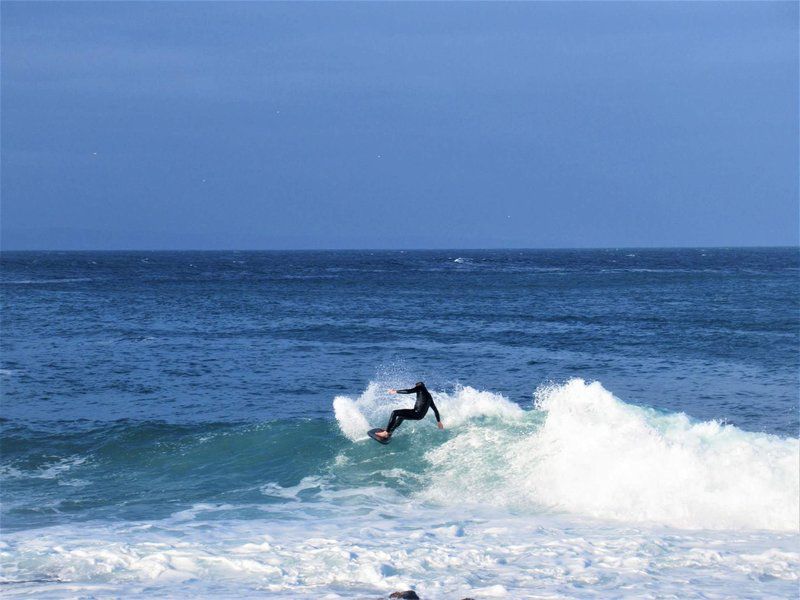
[[597, 456]]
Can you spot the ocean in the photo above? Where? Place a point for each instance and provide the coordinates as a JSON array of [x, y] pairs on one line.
[[618, 422]]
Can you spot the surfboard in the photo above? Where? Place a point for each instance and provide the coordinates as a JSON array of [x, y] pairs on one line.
[[371, 433]]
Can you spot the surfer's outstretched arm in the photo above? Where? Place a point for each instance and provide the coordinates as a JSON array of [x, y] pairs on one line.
[[408, 391]]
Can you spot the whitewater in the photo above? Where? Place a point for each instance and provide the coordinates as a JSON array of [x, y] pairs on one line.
[[578, 493]]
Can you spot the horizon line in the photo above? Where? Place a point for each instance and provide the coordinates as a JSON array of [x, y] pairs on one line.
[[506, 248]]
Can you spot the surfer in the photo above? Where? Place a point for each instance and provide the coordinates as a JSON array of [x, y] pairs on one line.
[[424, 401]]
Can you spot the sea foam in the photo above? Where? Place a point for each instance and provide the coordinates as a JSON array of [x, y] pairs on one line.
[[597, 456], [581, 450]]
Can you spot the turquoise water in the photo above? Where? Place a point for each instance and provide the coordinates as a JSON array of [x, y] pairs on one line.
[[617, 421]]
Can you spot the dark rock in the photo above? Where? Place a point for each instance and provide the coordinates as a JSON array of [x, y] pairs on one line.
[[407, 595]]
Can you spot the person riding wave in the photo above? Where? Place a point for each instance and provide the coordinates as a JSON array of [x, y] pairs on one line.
[[424, 401]]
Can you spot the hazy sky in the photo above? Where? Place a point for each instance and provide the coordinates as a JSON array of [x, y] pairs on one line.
[[402, 125]]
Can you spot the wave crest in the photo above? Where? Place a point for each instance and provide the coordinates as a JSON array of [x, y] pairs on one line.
[[585, 451]]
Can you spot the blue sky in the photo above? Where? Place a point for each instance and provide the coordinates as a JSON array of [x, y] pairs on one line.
[[402, 125]]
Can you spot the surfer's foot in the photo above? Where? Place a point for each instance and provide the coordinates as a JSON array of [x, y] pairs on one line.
[[383, 434]]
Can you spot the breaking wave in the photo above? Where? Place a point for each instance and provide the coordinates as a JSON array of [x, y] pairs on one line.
[[582, 450]]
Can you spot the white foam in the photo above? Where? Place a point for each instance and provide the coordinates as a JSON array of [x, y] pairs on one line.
[[51, 470], [291, 492], [467, 404], [439, 555], [594, 455], [351, 420]]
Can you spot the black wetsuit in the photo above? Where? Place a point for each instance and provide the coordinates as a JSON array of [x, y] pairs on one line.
[[424, 400]]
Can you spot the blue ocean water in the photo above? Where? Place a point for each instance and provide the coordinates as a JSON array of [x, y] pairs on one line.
[[193, 422]]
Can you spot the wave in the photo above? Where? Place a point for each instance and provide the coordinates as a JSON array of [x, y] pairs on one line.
[[582, 450], [576, 450], [55, 473]]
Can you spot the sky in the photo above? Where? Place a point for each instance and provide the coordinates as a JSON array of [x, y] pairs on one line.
[[204, 125]]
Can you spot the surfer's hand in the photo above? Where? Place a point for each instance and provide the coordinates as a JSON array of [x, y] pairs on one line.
[[439, 425], [392, 391]]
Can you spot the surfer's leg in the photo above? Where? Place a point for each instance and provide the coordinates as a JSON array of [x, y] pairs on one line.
[[398, 416]]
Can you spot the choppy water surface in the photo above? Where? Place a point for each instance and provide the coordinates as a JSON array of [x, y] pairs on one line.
[[618, 422]]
